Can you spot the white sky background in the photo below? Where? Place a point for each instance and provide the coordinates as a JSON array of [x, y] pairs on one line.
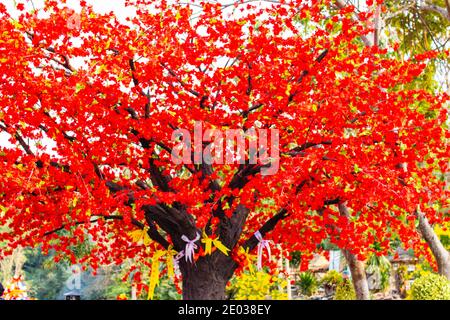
[[100, 6], [105, 6]]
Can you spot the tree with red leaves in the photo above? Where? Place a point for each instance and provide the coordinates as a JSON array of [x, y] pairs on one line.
[[91, 105]]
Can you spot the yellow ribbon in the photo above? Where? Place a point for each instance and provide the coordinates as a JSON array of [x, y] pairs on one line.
[[154, 275], [140, 236], [208, 244], [217, 243], [169, 262], [249, 258]]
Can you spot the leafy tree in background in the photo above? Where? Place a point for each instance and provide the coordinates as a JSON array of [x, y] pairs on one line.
[[415, 28], [45, 278], [420, 26]]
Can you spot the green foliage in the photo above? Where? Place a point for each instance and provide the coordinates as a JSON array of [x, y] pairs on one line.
[[99, 286], [117, 288], [445, 241], [295, 258], [430, 286], [114, 284], [345, 291], [332, 279], [418, 29], [307, 283], [45, 278], [401, 277], [382, 266], [166, 290], [257, 286], [443, 232]]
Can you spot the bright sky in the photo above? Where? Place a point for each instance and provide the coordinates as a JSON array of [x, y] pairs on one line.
[[101, 6]]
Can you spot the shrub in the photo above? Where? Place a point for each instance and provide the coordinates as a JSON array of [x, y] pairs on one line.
[[345, 291], [330, 281], [257, 286], [430, 286], [307, 283], [401, 277], [380, 265]]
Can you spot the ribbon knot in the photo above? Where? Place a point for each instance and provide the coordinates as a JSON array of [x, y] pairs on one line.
[[190, 246], [217, 243], [261, 245], [177, 258]]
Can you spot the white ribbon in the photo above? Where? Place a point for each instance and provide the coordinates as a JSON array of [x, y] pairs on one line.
[[261, 245], [190, 247]]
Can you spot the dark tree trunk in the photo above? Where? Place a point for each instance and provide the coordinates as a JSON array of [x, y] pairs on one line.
[[441, 255], [359, 278], [207, 278], [357, 269]]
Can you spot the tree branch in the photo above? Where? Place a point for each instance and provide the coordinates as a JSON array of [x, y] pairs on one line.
[[299, 149], [24, 145], [268, 226], [183, 85], [134, 221], [341, 4], [173, 221], [242, 176], [444, 12]]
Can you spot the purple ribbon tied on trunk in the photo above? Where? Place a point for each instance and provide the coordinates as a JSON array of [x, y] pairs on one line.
[[190, 247], [177, 258], [261, 245]]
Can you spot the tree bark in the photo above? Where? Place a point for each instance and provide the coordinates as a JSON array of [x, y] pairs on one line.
[[357, 269], [359, 278], [206, 279], [441, 255]]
